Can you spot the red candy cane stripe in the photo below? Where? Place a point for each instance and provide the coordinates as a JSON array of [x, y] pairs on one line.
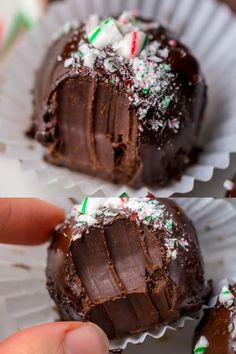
[[1, 32], [134, 43]]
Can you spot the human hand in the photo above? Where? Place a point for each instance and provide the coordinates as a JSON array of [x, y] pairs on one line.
[[31, 222]]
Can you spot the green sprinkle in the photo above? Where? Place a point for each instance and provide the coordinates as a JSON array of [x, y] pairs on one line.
[[94, 34], [81, 53], [169, 224], [200, 350], [84, 205], [113, 81], [124, 195], [145, 90], [145, 42], [148, 218], [20, 21], [165, 67], [108, 20], [153, 201], [134, 21], [166, 102]]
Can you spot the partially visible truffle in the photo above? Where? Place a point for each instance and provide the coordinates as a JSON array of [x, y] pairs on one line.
[[128, 265], [216, 333]]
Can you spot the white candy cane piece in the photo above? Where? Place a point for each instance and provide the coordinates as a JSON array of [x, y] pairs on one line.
[[105, 34], [114, 203], [132, 44], [91, 205], [98, 38], [89, 60], [111, 28], [226, 298], [201, 346]]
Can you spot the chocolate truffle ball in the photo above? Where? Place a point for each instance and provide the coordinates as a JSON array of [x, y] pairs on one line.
[[121, 99], [128, 265], [216, 333]]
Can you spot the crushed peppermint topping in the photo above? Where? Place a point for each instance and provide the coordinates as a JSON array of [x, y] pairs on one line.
[[145, 210], [201, 346], [226, 298], [125, 49]]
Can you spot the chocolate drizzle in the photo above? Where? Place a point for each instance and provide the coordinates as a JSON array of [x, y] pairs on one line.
[[117, 270], [107, 123]]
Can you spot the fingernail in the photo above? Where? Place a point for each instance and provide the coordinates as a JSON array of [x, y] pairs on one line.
[[87, 339]]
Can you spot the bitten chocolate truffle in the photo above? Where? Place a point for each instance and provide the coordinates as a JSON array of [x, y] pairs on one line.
[[128, 265], [216, 333], [121, 99]]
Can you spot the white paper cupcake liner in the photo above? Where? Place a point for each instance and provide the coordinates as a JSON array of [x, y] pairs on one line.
[[24, 299], [207, 28]]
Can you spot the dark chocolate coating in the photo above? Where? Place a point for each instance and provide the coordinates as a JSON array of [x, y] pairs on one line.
[[89, 124], [219, 327], [118, 273]]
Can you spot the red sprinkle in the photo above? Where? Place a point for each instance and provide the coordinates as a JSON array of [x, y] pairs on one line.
[[172, 42], [134, 43], [128, 82], [151, 196], [133, 216]]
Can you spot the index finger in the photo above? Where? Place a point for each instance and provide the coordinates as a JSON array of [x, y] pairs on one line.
[[27, 221]]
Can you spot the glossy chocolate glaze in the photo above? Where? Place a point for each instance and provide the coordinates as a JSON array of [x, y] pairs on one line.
[[119, 274], [88, 122], [219, 327]]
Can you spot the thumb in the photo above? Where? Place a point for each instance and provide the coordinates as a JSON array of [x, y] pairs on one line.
[[57, 338]]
